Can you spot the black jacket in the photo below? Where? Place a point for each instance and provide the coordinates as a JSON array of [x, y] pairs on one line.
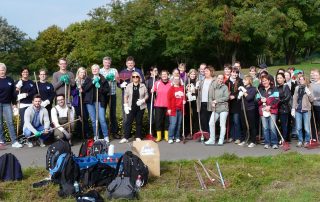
[[284, 97], [235, 104], [90, 91]]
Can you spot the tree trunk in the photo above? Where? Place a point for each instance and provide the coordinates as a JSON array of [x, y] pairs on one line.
[[234, 55]]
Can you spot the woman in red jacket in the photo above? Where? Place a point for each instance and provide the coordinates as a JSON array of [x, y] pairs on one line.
[[175, 106]]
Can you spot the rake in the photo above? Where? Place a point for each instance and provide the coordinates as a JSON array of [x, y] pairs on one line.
[[285, 145]]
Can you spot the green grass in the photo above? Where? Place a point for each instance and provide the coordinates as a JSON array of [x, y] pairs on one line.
[[285, 177]]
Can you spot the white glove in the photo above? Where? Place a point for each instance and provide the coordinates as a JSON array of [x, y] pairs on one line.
[[189, 96], [126, 108], [15, 111], [240, 95], [123, 85], [45, 103], [193, 98], [241, 88], [21, 96], [307, 90], [192, 88], [140, 102], [197, 84], [293, 113], [19, 84]]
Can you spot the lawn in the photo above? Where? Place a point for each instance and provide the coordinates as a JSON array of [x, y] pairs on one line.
[[285, 177]]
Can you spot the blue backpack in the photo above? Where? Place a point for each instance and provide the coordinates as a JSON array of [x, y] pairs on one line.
[[10, 168]]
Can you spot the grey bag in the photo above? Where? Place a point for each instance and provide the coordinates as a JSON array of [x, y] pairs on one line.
[[121, 188]]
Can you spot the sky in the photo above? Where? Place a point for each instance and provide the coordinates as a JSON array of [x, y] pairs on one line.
[[32, 16]]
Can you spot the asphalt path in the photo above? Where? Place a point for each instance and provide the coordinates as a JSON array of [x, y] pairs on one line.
[[35, 157]]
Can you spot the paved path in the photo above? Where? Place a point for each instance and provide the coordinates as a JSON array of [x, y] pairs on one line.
[[33, 157]]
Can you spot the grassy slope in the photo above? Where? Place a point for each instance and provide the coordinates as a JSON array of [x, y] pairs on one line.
[[285, 177]]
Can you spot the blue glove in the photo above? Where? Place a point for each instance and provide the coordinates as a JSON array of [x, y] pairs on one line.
[[97, 85], [95, 80], [110, 77]]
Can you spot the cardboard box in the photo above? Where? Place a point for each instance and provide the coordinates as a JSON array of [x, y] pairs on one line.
[[148, 152]]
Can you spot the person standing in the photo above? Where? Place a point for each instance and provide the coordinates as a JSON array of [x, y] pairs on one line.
[[46, 90], [25, 90], [92, 86], [112, 76], [161, 88], [301, 109], [36, 121], [63, 79], [315, 86], [62, 114], [7, 98], [135, 97]]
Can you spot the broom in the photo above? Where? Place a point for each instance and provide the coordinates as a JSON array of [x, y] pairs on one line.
[[313, 143], [150, 136]]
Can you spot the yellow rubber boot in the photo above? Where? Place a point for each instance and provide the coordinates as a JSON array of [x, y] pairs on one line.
[[166, 135], [158, 136]]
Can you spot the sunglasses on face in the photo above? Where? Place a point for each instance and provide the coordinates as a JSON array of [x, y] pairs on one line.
[[135, 77]]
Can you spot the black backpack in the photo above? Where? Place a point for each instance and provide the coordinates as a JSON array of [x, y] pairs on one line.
[[54, 151], [98, 175], [68, 171], [85, 148], [10, 168], [99, 147], [133, 166]]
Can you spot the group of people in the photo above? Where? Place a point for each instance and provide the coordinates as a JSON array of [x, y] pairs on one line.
[[249, 108]]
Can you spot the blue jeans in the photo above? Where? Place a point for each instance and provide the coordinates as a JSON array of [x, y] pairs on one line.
[[303, 118], [269, 130], [102, 118], [235, 126], [6, 113], [175, 124], [28, 133]]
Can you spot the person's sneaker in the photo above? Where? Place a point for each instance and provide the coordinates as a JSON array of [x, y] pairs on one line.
[[170, 141], [209, 142], [237, 142], [275, 146], [299, 144], [306, 144], [123, 140], [230, 140], [107, 139], [251, 145], [17, 145], [138, 139], [29, 144], [266, 146], [242, 143], [177, 140]]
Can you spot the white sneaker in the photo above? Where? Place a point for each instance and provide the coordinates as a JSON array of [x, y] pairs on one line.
[[266, 146], [170, 141], [210, 141], [16, 145], [29, 144], [242, 143], [178, 140], [138, 139], [123, 140], [237, 142], [275, 146], [106, 139], [251, 145]]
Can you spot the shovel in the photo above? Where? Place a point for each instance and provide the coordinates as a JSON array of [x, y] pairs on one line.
[[150, 136]]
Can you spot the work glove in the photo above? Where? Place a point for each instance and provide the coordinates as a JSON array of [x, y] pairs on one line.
[[240, 95], [21, 96], [193, 98], [38, 133], [189, 96], [19, 84], [65, 79], [110, 77], [97, 85], [307, 91], [197, 84], [123, 85], [15, 111], [192, 88], [126, 108], [140, 102], [95, 79], [241, 88], [45, 103], [293, 113]]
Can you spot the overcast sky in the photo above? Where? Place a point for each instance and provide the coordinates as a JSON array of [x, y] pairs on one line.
[[32, 16]]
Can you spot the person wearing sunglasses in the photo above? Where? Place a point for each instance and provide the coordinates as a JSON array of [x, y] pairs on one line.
[[135, 97]]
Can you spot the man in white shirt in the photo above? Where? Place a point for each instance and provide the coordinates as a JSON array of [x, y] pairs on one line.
[[61, 114]]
